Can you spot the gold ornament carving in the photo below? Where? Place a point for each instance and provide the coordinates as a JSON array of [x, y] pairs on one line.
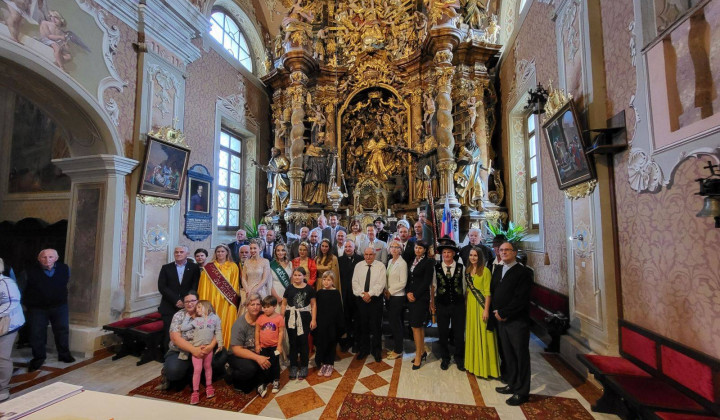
[[298, 77], [443, 57], [556, 100], [581, 190]]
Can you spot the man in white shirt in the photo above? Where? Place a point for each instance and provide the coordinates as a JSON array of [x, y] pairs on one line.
[[368, 284], [322, 229], [373, 242], [339, 248]]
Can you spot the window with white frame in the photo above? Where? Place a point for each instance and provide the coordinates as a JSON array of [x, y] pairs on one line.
[[521, 6], [229, 181], [532, 166], [227, 32]]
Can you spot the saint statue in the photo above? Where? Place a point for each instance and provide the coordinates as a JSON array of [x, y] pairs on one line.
[[468, 176], [278, 183], [425, 154], [429, 110], [473, 13], [316, 163]]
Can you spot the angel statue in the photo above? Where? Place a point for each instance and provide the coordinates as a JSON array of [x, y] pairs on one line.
[[492, 31], [429, 110], [474, 12]]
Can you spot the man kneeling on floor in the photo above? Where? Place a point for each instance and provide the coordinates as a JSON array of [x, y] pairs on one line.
[[244, 365]]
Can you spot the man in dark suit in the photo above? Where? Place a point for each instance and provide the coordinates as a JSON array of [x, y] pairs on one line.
[[175, 280], [240, 240], [334, 228], [406, 242], [347, 262], [382, 234], [270, 244], [474, 238], [304, 232], [510, 306]]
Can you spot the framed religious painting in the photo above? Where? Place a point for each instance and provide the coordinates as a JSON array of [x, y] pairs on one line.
[[164, 169], [567, 148]]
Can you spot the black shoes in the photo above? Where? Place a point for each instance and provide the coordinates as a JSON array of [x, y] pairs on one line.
[[460, 365], [445, 364], [517, 399], [377, 357], [504, 390], [67, 359], [362, 355], [35, 364]]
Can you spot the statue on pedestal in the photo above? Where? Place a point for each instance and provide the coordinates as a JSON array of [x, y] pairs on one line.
[[278, 182], [317, 161]]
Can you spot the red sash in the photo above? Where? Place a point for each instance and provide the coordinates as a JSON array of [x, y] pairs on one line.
[[222, 284]]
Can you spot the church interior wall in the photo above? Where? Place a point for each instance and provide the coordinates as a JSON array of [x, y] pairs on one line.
[[670, 271], [535, 40], [668, 257]]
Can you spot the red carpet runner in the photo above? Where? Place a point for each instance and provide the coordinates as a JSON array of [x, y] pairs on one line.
[[365, 406], [225, 397]]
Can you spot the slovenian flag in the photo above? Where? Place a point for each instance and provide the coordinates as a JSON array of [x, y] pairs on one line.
[[447, 221]]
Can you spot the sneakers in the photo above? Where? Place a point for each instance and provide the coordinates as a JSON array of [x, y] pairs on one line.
[[329, 370], [303, 373], [276, 386], [164, 384], [209, 391], [262, 391], [194, 398], [293, 372], [392, 355]]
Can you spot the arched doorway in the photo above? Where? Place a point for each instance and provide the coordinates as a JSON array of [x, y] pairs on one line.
[[86, 184]]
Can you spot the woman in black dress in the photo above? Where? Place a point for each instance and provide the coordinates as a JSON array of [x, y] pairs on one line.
[[417, 290]]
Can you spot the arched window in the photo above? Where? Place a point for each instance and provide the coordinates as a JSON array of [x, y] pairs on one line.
[[225, 31]]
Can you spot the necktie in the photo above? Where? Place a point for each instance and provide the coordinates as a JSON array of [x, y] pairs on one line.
[[367, 279], [312, 251], [449, 274]]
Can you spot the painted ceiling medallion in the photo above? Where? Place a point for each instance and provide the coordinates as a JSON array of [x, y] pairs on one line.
[[156, 238]]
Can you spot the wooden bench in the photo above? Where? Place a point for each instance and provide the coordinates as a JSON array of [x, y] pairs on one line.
[[150, 334], [655, 378], [549, 311], [133, 341]]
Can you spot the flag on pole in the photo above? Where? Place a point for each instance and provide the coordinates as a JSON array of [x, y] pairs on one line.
[[447, 220]]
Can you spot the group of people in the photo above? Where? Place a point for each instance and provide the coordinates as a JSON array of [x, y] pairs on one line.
[[328, 287]]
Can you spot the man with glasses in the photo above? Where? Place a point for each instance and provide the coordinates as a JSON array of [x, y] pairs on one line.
[[510, 307], [175, 280]]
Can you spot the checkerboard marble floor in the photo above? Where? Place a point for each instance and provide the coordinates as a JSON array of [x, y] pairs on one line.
[[321, 397]]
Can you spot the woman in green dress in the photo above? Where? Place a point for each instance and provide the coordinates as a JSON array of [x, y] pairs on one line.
[[481, 350]]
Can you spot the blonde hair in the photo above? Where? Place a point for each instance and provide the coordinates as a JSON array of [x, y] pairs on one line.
[[207, 307], [327, 274]]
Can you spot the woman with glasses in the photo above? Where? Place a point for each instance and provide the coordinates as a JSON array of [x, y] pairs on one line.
[[220, 284]]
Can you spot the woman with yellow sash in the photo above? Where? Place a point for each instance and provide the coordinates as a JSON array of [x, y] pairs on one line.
[[219, 283]]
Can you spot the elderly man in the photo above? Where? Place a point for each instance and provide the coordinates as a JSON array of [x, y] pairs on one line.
[[335, 228], [243, 254], [304, 233], [347, 262], [373, 242], [450, 304], [46, 299], [244, 365], [240, 240], [175, 280], [474, 238], [339, 246], [262, 232], [368, 283], [322, 229], [510, 306]]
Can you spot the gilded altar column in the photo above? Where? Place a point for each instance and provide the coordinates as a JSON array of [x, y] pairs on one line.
[[297, 92], [442, 42]]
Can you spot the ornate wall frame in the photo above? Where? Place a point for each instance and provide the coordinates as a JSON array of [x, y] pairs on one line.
[[651, 167]]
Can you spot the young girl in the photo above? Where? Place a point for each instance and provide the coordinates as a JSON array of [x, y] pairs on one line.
[[269, 329], [207, 332], [330, 324], [300, 313]]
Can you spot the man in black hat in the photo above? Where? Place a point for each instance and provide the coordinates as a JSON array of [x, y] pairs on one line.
[[382, 234], [450, 303]]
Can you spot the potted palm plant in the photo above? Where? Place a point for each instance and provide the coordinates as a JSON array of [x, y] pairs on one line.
[[514, 234]]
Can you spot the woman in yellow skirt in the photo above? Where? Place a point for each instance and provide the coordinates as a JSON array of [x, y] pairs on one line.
[[481, 350], [219, 283]]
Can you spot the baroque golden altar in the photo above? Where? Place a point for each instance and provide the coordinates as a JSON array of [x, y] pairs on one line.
[[368, 93]]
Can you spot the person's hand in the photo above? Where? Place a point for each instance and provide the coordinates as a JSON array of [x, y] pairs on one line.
[[179, 304], [257, 349], [218, 350], [411, 297], [197, 353], [486, 316], [366, 297], [279, 350], [204, 350], [263, 362], [313, 325], [497, 316]]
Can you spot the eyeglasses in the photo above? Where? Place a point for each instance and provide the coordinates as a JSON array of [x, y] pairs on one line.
[[506, 250], [187, 302]]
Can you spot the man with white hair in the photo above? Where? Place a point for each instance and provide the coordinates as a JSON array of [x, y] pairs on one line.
[[474, 240], [46, 300], [175, 280], [323, 230]]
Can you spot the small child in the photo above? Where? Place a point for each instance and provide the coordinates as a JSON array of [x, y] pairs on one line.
[[330, 324], [207, 332], [300, 313], [269, 329]]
